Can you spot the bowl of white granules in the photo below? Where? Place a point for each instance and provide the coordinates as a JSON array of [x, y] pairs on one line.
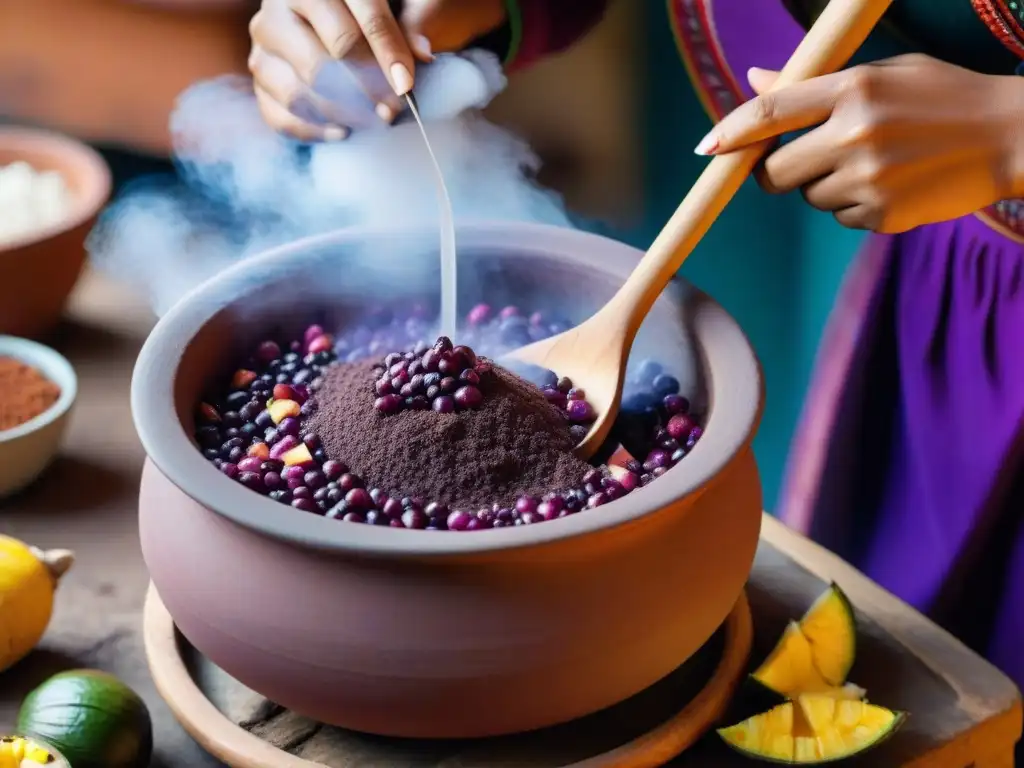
[[51, 189]]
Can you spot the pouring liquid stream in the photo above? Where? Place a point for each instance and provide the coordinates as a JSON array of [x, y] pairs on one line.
[[447, 222]]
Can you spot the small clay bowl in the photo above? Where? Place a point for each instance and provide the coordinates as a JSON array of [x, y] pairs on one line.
[[441, 634], [26, 450], [41, 269]]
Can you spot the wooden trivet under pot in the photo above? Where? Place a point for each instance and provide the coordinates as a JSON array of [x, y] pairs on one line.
[[244, 730]]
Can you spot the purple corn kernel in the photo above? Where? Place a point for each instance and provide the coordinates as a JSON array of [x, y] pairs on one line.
[[680, 426], [576, 394], [252, 481], [470, 377], [479, 314], [348, 481], [311, 333], [564, 384], [597, 499], [353, 517], [267, 352], [579, 411], [333, 469], [526, 504], [282, 446], [414, 519], [314, 479], [289, 426], [250, 464], [468, 397], [388, 404], [674, 404], [656, 458], [229, 469], [551, 508], [593, 477], [459, 521], [554, 396], [444, 404], [664, 384], [305, 505], [359, 498], [431, 360]]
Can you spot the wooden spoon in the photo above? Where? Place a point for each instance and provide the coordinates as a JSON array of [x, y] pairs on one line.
[[594, 353]]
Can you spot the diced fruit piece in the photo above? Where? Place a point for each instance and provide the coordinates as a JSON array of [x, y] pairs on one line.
[[790, 669], [297, 456], [831, 630], [818, 729], [281, 409]]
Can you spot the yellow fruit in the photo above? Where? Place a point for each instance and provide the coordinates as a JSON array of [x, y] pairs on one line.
[[817, 729], [831, 630], [28, 578], [19, 752], [790, 669], [816, 654]]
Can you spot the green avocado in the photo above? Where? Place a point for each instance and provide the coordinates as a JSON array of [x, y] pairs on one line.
[[92, 718]]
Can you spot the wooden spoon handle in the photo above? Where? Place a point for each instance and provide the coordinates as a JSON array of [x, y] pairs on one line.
[[837, 34]]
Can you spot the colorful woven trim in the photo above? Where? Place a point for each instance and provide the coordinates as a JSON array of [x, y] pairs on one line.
[[1005, 18], [720, 93]]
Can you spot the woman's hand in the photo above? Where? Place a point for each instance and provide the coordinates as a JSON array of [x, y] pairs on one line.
[[898, 143], [292, 40]]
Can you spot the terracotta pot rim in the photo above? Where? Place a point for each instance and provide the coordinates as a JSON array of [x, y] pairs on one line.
[[731, 370], [67, 152]]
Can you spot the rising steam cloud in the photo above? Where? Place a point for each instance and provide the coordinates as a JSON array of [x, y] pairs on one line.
[[241, 188]]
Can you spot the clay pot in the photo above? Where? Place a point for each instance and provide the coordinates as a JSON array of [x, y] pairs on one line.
[[440, 634], [40, 270]]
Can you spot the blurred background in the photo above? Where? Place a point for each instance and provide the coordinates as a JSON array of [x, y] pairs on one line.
[[614, 120]]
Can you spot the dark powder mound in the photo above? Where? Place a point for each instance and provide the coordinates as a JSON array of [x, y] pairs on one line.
[[515, 444]]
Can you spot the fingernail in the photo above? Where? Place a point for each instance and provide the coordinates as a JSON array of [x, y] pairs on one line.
[[422, 46], [385, 112], [707, 145], [335, 133], [401, 80]]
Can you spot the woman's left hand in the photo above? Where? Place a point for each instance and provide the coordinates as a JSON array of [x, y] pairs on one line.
[[898, 143]]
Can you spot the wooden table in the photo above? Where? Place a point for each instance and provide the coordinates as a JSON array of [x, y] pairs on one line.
[[965, 714]]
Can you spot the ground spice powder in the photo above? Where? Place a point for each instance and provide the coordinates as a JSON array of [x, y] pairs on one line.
[[24, 393], [515, 444]]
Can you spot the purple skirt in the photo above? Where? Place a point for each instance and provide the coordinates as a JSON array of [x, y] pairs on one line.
[[909, 458]]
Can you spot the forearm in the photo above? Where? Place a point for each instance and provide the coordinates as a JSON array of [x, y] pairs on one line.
[[110, 71], [547, 27]]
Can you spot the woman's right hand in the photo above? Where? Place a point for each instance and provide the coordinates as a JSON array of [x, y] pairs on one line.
[[292, 40]]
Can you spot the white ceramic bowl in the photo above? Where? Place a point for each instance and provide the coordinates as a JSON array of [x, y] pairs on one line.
[[28, 449]]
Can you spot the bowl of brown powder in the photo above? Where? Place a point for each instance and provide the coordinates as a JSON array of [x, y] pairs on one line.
[[38, 387], [399, 540]]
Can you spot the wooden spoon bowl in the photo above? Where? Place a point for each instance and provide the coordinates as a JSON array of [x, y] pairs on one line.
[[594, 353]]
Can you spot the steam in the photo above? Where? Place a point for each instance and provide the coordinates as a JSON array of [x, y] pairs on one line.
[[242, 188]]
